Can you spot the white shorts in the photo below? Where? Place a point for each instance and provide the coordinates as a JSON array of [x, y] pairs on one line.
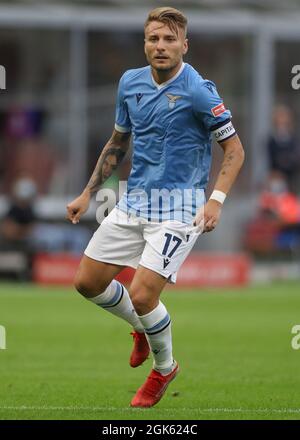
[[126, 240]]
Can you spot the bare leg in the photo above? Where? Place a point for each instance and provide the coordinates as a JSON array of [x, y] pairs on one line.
[[93, 277], [145, 290], [95, 281]]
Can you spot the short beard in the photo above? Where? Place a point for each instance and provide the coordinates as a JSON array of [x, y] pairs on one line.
[[164, 68]]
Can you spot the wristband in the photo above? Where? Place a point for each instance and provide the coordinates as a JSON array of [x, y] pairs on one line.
[[219, 196]]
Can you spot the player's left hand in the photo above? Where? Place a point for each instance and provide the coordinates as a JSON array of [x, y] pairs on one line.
[[208, 217]]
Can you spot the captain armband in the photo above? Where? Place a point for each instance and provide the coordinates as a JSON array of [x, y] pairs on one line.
[[224, 132]]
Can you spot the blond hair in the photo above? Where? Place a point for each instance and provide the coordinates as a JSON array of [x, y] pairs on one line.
[[173, 18]]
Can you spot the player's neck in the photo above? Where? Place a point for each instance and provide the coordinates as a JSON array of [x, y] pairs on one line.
[[161, 76]]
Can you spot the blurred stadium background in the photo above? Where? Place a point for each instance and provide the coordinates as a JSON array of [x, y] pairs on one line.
[[63, 63]]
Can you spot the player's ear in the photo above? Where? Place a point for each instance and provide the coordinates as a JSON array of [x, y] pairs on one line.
[[185, 46]]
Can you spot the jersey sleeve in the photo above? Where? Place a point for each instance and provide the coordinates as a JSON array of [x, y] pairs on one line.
[[211, 111], [122, 122]]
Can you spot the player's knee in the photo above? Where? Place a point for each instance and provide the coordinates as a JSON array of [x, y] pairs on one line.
[[87, 287], [140, 301], [82, 286]]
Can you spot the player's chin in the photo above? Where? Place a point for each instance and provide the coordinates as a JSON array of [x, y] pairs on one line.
[[158, 65]]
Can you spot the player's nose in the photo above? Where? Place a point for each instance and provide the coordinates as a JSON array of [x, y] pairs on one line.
[[160, 46]]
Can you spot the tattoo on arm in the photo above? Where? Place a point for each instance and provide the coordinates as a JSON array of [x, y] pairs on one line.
[[232, 162], [227, 162], [110, 157]]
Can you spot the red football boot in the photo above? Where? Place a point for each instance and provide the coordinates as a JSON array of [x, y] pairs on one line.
[[153, 389], [140, 350]]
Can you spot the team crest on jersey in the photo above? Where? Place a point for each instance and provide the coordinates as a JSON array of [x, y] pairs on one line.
[[172, 100]]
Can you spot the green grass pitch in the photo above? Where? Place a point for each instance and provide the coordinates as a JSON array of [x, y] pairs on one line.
[[68, 359]]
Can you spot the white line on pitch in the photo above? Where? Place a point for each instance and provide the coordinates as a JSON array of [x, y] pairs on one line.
[[199, 410]]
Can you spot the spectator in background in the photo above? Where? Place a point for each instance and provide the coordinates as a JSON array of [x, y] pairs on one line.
[[17, 225], [278, 202], [276, 225], [22, 230], [284, 147]]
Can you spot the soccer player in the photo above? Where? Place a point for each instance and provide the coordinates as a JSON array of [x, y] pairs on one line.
[[172, 113]]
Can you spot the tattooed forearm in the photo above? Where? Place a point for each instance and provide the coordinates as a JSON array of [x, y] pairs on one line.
[[227, 162], [231, 165], [110, 157]]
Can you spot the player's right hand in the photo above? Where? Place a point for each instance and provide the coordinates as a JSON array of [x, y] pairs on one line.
[[208, 216], [78, 207]]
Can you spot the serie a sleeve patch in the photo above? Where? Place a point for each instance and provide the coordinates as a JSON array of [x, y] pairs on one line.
[[224, 132], [218, 110]]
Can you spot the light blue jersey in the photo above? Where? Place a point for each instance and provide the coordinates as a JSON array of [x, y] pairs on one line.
[[172, 125]]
